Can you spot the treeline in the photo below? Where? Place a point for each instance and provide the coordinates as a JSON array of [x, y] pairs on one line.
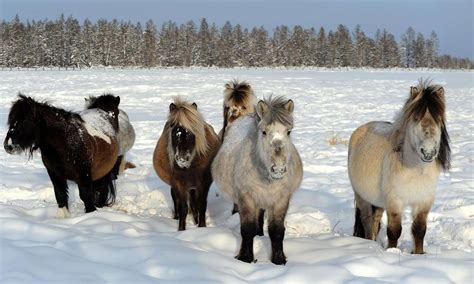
[[68, 43]]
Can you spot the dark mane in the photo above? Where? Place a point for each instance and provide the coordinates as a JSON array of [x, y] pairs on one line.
[[238, 92], [425, 98], [34, 114]]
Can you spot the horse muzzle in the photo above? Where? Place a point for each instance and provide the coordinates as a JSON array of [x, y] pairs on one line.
[[428, 156], [277, 172], [10, 148]]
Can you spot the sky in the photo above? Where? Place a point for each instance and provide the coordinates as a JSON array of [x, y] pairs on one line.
[[452, 20]]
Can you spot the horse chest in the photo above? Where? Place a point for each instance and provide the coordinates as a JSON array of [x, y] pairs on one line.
[[414, 186]]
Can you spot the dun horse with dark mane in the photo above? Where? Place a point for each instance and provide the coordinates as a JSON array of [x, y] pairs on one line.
[[393, 166], [183, 157], [81, 147]]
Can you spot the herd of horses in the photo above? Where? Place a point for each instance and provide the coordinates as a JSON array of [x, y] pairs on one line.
[[252, 160]]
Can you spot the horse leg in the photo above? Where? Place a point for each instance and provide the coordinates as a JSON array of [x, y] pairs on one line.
[[175, 203], [377, 214], [418, 229], [61, 193], [182, 205], [87, 193], [363, 218], [193, 201], [248, 229], [276, 230], [202, 199], [261, 216], [394, 227]]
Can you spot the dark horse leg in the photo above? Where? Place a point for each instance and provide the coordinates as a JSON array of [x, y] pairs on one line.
[[193, 203], [182, 206], [261, 216], [248, 229], [418, 229], [202, 205], [60, 189], [276, 230], [86, 191], [175, 203], [104, 190], [394, 227]]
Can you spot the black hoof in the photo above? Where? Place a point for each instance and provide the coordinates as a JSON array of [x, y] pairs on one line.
[[246, 258], [279, 259]]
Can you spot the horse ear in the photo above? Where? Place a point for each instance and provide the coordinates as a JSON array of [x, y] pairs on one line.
[[195, 106], [413, 91], [172, 107], [262, 108], [117, 100], [440, 92], [290, 106]]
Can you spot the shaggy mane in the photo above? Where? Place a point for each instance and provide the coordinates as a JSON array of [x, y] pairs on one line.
[[277, 111], [424, 97], [191, 119], [238, 93]]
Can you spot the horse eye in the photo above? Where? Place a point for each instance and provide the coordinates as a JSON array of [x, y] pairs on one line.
[[244, 107], [264, 133], [289, 131]]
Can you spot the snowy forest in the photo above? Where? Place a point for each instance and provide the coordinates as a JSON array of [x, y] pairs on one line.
[[65, 42]]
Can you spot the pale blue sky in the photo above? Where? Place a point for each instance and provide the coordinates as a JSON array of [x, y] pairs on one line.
[[452, 20]]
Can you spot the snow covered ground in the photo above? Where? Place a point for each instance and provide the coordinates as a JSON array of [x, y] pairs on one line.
[[137, 240]]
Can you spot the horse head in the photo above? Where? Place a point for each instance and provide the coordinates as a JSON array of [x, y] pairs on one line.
[[187, 138], [424, 119], [275, 122], [22, 126]]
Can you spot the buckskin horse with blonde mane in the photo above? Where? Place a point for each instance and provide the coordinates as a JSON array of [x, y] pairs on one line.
[[258, 167], [182, 159], [81, 147], [393, 166]]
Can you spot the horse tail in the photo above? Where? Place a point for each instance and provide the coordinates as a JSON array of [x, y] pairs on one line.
[[358, 226], [105, 190]]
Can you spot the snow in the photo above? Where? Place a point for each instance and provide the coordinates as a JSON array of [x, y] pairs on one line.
[[136, 240]]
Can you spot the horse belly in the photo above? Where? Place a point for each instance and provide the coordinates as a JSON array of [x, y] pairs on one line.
[[161, 162]]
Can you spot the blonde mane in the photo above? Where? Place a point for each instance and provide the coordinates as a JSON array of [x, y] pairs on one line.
[[187, 116]]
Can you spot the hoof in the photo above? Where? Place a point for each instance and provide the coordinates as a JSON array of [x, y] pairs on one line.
[[279, 258], [63, 213], [246, 258]]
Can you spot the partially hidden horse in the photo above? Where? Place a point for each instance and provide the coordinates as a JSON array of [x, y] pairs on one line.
[[182, 159], [239, 100], [258, 167], [81, 147], [393, 166], [125, 135]]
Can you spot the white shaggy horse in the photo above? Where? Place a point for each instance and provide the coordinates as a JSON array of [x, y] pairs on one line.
[[393, 166], [258, 167]]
